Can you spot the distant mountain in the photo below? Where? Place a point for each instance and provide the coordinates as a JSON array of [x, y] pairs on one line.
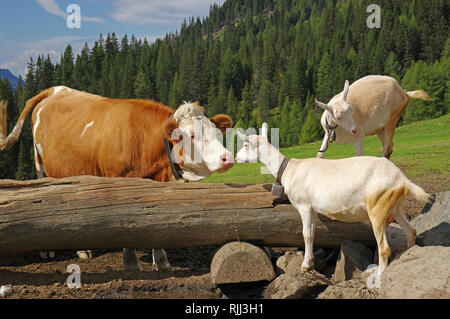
[[14, 80]]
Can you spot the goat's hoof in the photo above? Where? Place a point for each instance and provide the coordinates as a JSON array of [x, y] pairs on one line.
[[306, 269]]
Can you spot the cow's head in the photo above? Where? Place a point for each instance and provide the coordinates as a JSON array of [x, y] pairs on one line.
[[340, 110], [197, 142]]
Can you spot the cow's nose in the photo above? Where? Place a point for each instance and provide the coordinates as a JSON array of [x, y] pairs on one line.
[[227, 160]]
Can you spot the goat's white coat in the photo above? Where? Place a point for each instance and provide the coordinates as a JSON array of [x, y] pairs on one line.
[[339, 189], [377, 102]]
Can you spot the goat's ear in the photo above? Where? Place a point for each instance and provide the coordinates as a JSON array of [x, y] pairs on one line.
[[345, 92], [323, 106], [222, 122], [170, 132], [265, 130]]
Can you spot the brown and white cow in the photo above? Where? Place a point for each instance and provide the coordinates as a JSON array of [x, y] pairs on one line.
[[371, 105], [78, 133]]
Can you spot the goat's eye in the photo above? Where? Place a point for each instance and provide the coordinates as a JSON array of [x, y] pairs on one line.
[[192, 136], [246, 145]]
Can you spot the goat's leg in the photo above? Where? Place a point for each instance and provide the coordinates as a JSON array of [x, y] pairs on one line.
[[378, 220], [388, 144], [409, 232], [359, 147], [160, 259], [381, 137], [324, 146], [308, 216]]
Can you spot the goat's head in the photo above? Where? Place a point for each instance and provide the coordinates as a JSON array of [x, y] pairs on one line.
[[250, 152], [341, 110]]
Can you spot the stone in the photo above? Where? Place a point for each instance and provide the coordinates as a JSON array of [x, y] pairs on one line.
[[239, 262], [353, 259], [433, 225], [321, 258], [296, 285], [6, 291], [350, 289], [290, 262], [418, 273]]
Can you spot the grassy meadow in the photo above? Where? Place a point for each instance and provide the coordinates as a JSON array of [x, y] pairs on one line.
[[420, 149]]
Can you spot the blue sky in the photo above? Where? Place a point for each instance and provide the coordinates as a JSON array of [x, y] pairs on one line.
[[32, 27]]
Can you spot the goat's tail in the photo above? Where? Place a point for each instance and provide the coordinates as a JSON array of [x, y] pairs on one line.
[[419, 94], [418, 192], [6, 142]]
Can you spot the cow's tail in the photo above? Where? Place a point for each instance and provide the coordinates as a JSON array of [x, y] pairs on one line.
[[6, 142], [419, 94]]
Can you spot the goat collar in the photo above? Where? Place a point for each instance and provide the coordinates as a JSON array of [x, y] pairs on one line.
[[175, 168], [331, 134], [329, 128], [281, 169]]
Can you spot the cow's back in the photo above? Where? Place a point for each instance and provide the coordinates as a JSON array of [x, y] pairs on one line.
[[376, 99], [78, 133]]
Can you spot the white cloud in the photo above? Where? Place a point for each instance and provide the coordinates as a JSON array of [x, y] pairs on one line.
[[53, 8], [159, 13], [17, 61]]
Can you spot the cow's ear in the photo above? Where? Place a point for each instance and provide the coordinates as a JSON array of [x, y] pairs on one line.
[[170, 131], [222, 122]]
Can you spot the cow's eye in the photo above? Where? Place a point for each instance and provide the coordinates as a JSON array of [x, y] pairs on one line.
[[192, 136]]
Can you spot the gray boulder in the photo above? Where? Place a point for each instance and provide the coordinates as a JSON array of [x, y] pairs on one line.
[[296, 285], [420, 272], [290, 262], [433, 225], [353, 259]]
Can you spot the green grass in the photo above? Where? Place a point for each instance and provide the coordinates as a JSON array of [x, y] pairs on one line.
[[420, 148]]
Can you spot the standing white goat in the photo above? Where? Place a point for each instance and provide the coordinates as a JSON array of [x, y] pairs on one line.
[[371, 105], [350, 190]]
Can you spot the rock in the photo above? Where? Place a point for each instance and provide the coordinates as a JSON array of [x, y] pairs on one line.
[[296, 285], [321, 258], [290, 262], [238, 262], [353, 259], [5, 291], [350, 289], [420, 272], [433, 225]]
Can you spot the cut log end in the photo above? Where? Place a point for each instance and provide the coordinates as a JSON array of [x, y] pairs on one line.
[[239, 262]]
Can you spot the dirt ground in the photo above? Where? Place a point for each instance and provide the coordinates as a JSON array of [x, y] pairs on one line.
[[102, 276]]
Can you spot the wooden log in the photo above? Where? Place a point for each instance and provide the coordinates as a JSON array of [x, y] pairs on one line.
[[102, 213]]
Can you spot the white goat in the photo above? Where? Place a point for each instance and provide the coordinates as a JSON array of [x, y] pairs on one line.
[[350, 190], [371, 105]]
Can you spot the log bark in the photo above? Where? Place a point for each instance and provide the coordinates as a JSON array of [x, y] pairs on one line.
[[89, 212]]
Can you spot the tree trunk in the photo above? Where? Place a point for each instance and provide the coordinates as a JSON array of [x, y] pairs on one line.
[[88, 212]]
